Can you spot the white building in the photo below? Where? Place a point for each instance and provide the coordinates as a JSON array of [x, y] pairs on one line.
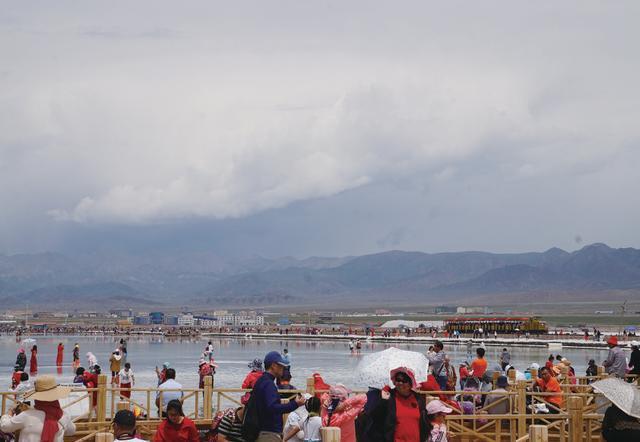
[[186, 320]]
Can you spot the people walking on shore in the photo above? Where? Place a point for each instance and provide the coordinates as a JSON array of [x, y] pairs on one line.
[[59, 355], [33, 363], [616, 363]]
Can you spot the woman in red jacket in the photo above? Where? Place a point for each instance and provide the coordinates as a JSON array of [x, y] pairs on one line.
[[33, 363], [176, 427]]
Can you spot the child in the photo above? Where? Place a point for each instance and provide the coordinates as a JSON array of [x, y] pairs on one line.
[[436, 412], [127, 380], [312, 424]]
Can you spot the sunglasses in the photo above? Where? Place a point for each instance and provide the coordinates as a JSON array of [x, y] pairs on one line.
[[400, 380]]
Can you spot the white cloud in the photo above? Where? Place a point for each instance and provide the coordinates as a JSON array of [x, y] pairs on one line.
[[183, 117]]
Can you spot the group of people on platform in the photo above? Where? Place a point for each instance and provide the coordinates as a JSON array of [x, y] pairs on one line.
[[399, 412]]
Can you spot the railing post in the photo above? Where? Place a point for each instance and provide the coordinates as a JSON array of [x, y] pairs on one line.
[[101, 410], [122, 405], [206, 403], [104, 437], [496, 375], [512, 375], [601, 372], [538, 433], [311, 386], [576, 422], [534, 374], [330, 434], [521, 389]]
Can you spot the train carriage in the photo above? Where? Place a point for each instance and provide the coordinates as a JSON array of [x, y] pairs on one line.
[[502, 325]]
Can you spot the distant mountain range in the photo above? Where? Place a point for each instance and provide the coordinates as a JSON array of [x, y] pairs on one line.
[[205, 279]]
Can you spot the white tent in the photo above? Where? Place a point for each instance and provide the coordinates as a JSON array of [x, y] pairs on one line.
[[404, 323]]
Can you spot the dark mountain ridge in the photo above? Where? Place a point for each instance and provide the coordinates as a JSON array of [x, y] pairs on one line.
[[205, 278]]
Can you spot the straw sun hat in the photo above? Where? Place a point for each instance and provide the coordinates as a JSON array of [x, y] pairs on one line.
[[48, 390]]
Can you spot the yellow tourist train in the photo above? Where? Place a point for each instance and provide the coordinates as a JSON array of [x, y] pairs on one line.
[[503, 325]]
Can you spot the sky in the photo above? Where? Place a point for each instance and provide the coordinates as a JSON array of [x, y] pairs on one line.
[[318, 128]]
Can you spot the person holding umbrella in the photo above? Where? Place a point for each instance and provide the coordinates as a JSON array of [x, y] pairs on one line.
[[622, 419], [403, 410]]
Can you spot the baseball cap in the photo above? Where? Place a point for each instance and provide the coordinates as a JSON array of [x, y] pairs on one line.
[[274, 357], [125, 418], [436, 406]]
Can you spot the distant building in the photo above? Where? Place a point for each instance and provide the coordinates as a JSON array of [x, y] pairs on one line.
[[170, 320], [186, 320], [156, 318], [122, 313], [473, 310], [446, 309], [142, 320]]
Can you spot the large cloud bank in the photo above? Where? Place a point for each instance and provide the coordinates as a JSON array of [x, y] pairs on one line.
[[152, 113]]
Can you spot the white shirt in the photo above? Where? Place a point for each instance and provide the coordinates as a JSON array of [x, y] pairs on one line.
[[126, 376], [295, 419], [22, 389], [135, 439], [30, 423], [311, 428], [170, 384]]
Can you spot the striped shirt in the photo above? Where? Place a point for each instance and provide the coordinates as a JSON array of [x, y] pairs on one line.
[[231, 428]]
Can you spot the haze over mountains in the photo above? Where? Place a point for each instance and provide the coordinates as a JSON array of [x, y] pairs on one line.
[[207, 280]]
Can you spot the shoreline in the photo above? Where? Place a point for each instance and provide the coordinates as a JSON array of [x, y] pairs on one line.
[[513, 342]]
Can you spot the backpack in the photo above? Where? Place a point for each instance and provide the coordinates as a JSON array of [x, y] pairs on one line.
[[250, 421]]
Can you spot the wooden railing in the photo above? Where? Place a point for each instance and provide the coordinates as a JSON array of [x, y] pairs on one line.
[[577, 420]]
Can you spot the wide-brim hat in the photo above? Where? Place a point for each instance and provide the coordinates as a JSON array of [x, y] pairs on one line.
[[622, 394], [48, 390], [406, 370]]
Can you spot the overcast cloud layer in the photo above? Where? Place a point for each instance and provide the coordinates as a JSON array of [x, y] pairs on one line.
[[336, 127]]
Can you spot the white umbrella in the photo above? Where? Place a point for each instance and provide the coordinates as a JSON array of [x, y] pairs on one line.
[[622, 394], [373, 370]]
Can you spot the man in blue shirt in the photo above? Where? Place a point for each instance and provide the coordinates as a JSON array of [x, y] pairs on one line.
[[268, 405]]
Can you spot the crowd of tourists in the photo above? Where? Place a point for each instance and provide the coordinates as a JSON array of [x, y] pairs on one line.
[[400, 411]]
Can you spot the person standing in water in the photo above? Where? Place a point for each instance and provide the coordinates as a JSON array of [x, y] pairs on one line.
[[59, 356], [21, 359], [210, 351], [76, 355], [33, 363]]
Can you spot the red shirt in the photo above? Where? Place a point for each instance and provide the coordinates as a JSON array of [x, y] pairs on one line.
[[407, 419], [464, 372], [185, 432]]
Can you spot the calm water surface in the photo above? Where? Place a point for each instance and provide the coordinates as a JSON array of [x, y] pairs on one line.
[[332, 359]]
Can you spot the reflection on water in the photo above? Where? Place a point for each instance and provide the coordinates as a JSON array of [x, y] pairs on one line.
[[332, 359]]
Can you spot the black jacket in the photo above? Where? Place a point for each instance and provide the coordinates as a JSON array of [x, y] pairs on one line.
[[387, 410], [634, 361]]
